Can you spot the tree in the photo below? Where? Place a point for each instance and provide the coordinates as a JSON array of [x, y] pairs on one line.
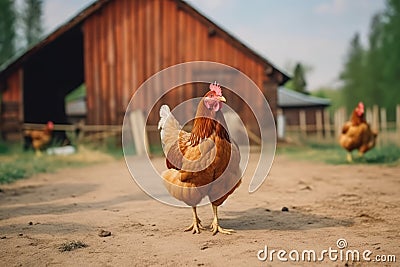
[[7, 30], [353, 74], [32, 21], [298, 82], [372, 75], [391, 55], [374, 64]]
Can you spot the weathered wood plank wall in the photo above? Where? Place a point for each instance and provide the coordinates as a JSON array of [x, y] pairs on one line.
[[128, 41]]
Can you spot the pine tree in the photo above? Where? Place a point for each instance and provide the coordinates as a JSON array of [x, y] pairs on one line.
[[299, 80], [391, 56], [374, 63], [7, 30], [32, 20]]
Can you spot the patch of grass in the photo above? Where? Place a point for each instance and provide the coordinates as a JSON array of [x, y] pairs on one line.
[[386, 154], [9, 173], [72, 245], [111, 146], [3, 148], [17, 164], [332, 153]]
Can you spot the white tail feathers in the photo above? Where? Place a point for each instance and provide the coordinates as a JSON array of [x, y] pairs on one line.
[[164, 113], [169, 127]]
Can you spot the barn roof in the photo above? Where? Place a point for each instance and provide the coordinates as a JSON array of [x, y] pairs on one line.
[[289, 99], [16, 61]]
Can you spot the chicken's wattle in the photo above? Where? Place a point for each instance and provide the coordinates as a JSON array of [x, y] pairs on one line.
[[212, 104]]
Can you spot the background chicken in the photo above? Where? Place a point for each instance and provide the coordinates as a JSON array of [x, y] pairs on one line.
[[39, 138], [204, 162], [357, 134]]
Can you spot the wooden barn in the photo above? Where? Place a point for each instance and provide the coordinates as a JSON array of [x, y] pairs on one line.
[[112, 47], [299, 109]]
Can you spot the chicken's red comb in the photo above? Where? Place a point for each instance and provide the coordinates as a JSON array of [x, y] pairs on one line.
[[360, 109], [216, 88]]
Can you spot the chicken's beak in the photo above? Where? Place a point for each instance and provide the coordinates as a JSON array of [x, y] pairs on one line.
[[222, 99]]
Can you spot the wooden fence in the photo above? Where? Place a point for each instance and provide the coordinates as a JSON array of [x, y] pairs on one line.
[[325, 129]]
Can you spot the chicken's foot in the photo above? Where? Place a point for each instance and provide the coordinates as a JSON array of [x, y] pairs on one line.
[[215, 228], [196, 226]]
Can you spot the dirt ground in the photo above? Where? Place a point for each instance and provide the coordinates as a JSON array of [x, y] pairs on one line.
[[358, 203]]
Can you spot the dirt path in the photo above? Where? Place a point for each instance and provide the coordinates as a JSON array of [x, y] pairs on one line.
[[358, 203]]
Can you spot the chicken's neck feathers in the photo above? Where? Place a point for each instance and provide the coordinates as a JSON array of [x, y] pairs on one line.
[[357, 120], [205, 127]]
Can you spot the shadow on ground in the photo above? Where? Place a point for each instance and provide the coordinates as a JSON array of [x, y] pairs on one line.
[[265, 219], [56, 199]]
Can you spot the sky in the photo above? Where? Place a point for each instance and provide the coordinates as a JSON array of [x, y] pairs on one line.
[[316, 33]]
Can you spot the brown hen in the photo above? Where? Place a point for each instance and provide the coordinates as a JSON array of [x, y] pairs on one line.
[[357, 134], [40, 138], [203, 162]]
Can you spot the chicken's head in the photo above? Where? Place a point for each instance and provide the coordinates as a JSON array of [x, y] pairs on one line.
[[360, 109], [214, 98], [50, 125]]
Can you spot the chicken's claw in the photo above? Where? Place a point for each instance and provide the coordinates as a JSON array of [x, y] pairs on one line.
[[215, 228], [195, 227]]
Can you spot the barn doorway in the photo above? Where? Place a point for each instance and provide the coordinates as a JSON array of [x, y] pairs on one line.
[[50, 74]]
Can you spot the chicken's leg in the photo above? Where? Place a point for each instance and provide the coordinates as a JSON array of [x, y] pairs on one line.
[[196, 226], [38, 153], [215, 228], [349, 157]]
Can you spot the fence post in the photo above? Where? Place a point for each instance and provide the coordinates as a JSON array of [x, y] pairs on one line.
[[383, 135], [138, 124], [340, 119], [369, 117], [318, 122], [280, 124], [327, 124], [336, 122], [303, 126], [398, 118], [375, 118]]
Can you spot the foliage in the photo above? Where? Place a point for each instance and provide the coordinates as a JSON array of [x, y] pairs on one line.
[[353, 74], [335, 95], [25, 25], [391, 54], [16, 164], [32, 21], [7, 30], [372, 74], [298, 82]]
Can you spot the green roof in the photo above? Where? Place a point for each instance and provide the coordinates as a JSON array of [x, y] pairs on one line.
[[76, 94], [289, 98]]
